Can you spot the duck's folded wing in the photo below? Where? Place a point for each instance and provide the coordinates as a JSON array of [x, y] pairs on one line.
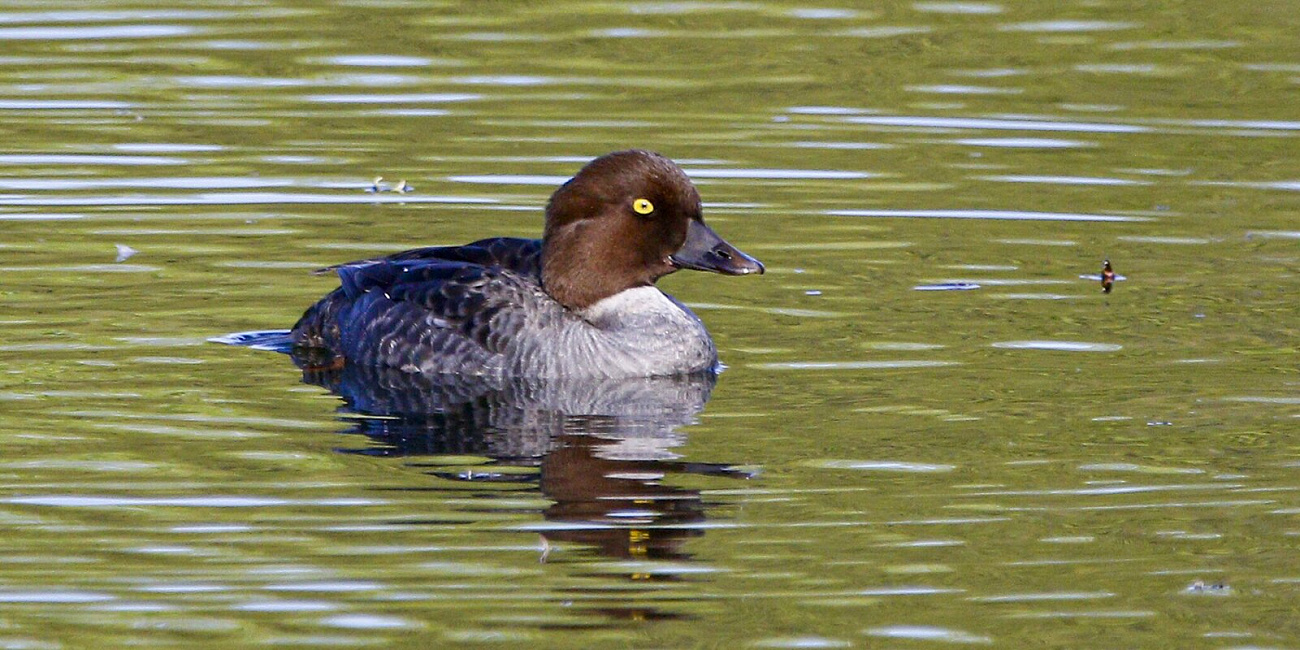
[[431, 313], [522, 256]]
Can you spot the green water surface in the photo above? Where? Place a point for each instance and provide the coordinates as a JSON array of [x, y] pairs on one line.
[[1026, 462]]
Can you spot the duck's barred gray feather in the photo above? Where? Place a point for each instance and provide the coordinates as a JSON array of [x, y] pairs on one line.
[[480, 309], [414, 308]]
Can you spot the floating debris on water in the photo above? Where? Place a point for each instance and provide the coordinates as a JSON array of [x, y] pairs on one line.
[[1200, 587], [1108, 277], [124, 253], [378, 185]]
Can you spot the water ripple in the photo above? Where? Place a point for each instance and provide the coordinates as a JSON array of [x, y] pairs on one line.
[[241, 198], [87, 159], [1154, 239], [1176, 45], [424, 98], [1265, 234], [947, 286], [827, 110], [1276, 125], [801, 642], [926, 633], [281, 606], [60, 104], [1056, 26], [94, 33], [368, 622], [91, 501], [1023, 143], [327, 586], [237, 82], [996, 124], [886, 31], [1058, 346], [1010, 282], [1123, 614], [1041, 597], [1001, 215], [884, 465], [1063, 180], [968, 8], [53, 597], [821, 14], [381, 61], [183, 183], [853, 365], [957, 89], [1264, 400], [106, 16], [23, 216]]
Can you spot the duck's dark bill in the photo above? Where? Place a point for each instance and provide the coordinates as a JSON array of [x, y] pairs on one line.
[[704, 250]]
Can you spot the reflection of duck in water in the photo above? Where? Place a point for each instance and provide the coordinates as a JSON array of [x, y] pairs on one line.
[[602, 446]]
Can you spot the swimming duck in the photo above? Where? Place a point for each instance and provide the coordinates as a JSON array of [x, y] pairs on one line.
[[580, 302]]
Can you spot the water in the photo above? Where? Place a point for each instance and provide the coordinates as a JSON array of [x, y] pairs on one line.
[[1021, 462]]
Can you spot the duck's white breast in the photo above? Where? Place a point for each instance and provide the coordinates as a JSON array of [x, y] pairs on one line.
[[636, 332]]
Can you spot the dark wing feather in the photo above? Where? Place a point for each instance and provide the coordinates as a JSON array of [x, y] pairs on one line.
[[461, 303], [510, 253]]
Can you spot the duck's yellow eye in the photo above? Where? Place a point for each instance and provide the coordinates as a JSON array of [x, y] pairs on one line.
[[643, 206]]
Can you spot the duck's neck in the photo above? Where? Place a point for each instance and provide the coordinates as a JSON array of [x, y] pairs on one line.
[[579, 271]]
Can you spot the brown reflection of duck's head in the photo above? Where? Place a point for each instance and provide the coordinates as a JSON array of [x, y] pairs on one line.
[[625, 500]]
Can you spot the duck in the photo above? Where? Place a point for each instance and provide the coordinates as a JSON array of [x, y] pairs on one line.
[[580, 302]]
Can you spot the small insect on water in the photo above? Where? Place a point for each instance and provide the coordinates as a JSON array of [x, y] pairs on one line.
[[1107, 277]]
